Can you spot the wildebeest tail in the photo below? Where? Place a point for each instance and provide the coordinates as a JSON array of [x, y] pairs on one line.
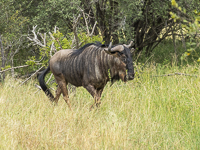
[[43, 85]]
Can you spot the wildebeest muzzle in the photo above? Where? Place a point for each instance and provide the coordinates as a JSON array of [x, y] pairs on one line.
[[130, 76]]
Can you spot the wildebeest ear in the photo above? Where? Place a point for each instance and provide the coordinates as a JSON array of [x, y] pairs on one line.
[[128, 46], [132, 50], [106, 50]]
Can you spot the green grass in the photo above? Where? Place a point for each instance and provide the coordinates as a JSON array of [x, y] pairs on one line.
[[146, 113]]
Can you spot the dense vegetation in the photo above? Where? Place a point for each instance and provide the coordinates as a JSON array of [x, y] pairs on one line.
[[31, 31]]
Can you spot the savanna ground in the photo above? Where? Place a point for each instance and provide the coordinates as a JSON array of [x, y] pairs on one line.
[[146, 113]]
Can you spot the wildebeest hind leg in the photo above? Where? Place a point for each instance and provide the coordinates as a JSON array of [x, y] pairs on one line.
[[58, 93], [63, 86]]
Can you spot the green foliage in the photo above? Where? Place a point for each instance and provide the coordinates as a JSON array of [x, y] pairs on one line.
[[117, 18], [61, 42], [49, 14], [6, 67], [31, 61], [132, 11], [192, 28], [11, 20], [84, 38]]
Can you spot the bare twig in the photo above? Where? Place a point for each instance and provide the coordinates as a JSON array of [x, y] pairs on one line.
[[76, 39], [31, 76], [36, 41], [86, 23], [176, 73], [51, 35], [75, 31], [37, 86], [93, 29], [35, 38], [49, 78], [52, 45], [59, 44]]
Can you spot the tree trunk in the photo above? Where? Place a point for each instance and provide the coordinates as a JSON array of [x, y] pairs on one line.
[[3, 59], [88, 9], [114, 21], [12, 70], [102, 22], [174, 42]]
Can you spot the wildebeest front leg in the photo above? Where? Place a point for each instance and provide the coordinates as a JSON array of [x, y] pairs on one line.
[[96, 94], [99, 92], [63, 86]]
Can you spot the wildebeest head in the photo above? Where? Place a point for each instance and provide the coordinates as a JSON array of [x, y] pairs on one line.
[[124, 53]]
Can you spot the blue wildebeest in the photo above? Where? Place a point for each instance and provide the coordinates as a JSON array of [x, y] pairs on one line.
[[91, 66]]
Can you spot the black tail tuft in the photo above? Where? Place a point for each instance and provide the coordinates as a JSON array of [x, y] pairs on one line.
[[43, 85]]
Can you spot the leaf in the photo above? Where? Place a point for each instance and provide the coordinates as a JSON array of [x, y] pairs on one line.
[[193, 44], [186, 54], [195, 11], [185, 21], [173, 3], [8, 66], [174, 20], [184, 10]]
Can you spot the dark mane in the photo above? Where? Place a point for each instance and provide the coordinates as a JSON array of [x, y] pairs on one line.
[[80, 50]]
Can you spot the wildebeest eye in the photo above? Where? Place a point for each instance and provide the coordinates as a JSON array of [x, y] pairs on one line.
[[122, 56], [124, 60]]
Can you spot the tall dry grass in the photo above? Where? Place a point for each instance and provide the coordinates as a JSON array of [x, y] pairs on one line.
[[146, 113]]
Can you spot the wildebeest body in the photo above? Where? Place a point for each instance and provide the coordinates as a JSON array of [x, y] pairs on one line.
[[90, 66]]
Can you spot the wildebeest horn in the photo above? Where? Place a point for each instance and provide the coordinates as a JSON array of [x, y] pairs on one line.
[[109, 47], [108, 50], [117, 48], [128, 46]]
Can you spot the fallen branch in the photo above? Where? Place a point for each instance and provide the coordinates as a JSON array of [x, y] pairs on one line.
[[37, 86], [176, 73], [31, 76], [18, 67]]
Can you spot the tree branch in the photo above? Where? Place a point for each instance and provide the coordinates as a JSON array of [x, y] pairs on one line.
[[18, 67], [35, 38], [31, 76], [75, 31], [176, 73]]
